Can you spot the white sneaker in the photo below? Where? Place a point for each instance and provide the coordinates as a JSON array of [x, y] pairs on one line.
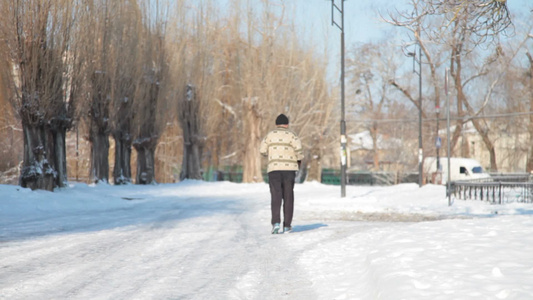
[[275, 228]]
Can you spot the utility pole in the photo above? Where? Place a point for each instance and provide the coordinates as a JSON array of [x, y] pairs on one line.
[[420, 147], [335, 7], [446, 91], [419, 72]]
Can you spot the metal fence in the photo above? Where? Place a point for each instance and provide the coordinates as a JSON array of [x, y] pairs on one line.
[[496, 190], [333, 177], [328, 176]]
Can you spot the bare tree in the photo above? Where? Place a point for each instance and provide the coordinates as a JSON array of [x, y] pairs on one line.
[[252, 132], [420, 29], [195, 63], [99, 26], [369, 72], [193, 141], [99, 126], [472, 24], [529, 75], [314, 114], [37, 36], [125, 76], [282, 76], [244, 73], [152, 112], [464, 26], [11, 144]]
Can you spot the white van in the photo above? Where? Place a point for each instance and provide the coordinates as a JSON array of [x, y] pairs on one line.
[[460, 169]]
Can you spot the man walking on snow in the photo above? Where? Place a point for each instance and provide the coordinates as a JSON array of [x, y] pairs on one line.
[[284, 151]]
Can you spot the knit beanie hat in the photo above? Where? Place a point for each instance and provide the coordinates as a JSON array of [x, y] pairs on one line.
[[282, 120]]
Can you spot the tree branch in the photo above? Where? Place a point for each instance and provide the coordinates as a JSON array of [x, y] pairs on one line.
[[408, 95]]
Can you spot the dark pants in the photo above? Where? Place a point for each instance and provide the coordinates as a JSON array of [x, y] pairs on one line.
[[282, 187]]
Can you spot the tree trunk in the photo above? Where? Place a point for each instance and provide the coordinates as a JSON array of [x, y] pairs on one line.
[[58, 154], [191, 167], [122, 169], [488, 143], [463, 101], [122, 131], [192, 140], [455, 71], [315, 168], [529, 163], [148, 135], [99, 155], [99, 128], [252, 158], [145, 161], [375, 146], [36, 173]]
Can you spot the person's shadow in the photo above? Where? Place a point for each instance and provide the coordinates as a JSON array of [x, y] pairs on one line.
[[300, 228]]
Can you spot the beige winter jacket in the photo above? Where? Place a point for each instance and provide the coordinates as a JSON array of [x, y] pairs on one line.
[[283, 149]]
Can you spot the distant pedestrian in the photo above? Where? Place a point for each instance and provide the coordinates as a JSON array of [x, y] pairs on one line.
[[284, 151]]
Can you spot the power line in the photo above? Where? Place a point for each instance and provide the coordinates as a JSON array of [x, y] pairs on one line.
[[466, 118]]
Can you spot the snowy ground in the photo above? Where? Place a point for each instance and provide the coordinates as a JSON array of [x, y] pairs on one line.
[[196, 240]]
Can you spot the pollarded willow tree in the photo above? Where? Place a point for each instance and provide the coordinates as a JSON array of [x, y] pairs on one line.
[[189, 117], [112, 29], [194, 74], [98, 25], [125, 73], [40, 48], [151, 105], [123, 84]]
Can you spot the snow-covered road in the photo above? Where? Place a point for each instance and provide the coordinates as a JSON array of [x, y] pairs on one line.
[[213, 241], [192, 248]]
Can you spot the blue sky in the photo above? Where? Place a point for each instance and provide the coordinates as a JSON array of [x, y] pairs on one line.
[[362, 21]]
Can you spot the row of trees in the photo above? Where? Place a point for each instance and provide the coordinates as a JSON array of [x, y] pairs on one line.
[[243, 70], [487, 53], [73, 61], [129, 70], [125, 69]]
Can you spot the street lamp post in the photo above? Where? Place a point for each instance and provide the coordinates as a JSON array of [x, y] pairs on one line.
[[420, 147], [448, 187], [438, 141], [343, 153]]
